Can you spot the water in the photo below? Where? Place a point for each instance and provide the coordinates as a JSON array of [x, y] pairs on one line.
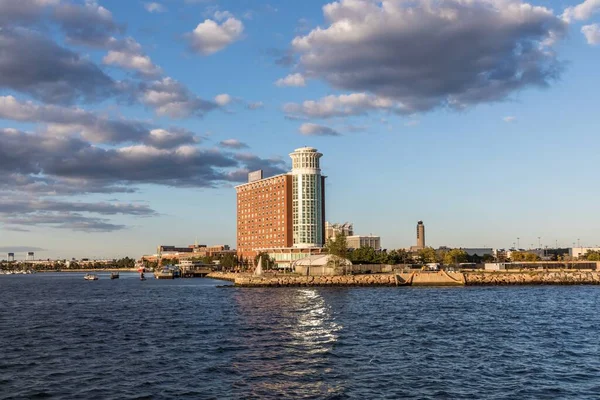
[[63, 337]]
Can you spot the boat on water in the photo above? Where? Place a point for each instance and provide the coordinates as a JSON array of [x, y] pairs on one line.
[[165, 273], [114, 275], [90, 277]]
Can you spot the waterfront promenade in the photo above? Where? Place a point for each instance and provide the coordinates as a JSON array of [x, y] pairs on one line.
[[420, 278]]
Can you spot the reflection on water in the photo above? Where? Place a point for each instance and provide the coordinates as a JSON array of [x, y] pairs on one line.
[[63, 337], [289, 334]]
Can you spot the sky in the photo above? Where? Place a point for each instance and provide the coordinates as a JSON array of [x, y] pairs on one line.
[[127, 124]]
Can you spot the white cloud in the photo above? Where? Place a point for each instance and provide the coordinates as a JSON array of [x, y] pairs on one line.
[[422, 53], [343, 105], [412, 122], [169, 97], [592, 34], [582, 11], [154, 7], [128, 54], [222, 15], [509, 118], [296, 80], [210, 36], [310, 129], [223, 99], [233, 144]]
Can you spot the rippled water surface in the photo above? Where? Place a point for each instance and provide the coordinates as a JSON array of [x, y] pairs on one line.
[[63, 337]]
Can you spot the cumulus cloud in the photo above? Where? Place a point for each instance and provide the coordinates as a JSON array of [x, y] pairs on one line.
[[211, 36], [169, 97], [310, 129], [423, 55], [89, 24], [341, 106], [223, 99], [92, 127], [13, 12], [582, 11], [37, 66], [296, 80], [233, 144], [128, 54], [27, 155], [592, 34], [154, 7]]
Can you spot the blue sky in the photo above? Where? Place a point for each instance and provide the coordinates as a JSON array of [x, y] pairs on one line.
[[124, 125]]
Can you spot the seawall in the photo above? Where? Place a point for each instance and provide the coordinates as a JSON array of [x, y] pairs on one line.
[[400, 279], [573, 277], [421, 278]]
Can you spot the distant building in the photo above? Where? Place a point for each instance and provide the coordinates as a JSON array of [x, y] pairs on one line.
[[358, 241], [477, 251], [283, 211], [334, 230], [189, 252], [420, 235], [579, 252]]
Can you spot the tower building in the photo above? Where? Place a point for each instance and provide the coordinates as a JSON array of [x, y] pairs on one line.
[[284, 211], [308, 198], [420, 235]]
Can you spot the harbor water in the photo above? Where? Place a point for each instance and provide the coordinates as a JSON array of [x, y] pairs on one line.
[[64, 337]]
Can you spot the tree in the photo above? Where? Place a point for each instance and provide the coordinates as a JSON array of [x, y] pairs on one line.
[[524, 256], [592, 255], [338, 246], [427, 255], [229, 261], [267, 262], [399, 256], [455, 256]]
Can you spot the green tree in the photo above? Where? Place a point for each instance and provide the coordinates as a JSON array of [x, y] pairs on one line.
[[338, 246], [592, 255], [427, 255], [229, 261], [267, 262], [517, 256], [399, 256], [363, 255], [455, 256]]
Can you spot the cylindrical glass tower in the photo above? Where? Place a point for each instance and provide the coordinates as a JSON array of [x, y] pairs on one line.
[[308, 206]]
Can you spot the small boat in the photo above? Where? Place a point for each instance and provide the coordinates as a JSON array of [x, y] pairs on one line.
[[166, 273], [90, 277], [114, 275]]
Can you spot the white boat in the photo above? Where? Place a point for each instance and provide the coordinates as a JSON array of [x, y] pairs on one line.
[[90, 277]]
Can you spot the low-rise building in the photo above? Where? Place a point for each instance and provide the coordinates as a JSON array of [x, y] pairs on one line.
[[579, 252], [358, 241]]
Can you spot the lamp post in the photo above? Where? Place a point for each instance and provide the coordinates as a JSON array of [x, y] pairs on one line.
[[518, 244]]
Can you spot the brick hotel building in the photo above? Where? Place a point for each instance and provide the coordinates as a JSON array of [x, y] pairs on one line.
[[283, 212]]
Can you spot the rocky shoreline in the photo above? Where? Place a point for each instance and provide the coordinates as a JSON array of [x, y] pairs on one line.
[[439, 278]]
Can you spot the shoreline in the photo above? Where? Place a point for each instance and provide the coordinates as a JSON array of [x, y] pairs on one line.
[[421, 278], [88, 270]]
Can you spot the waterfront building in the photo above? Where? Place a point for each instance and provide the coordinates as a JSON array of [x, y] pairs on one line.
[[185, 253], [358, 241], [334, 230], [476, 251], [577, 253], [283, 211]]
